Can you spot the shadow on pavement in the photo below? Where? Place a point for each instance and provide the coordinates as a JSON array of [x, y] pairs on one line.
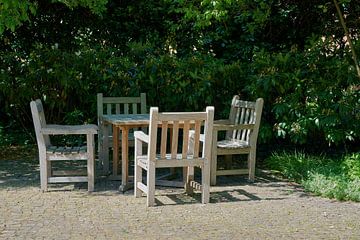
[[16, 174]]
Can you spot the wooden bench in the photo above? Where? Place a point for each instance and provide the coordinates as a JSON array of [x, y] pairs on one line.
[[115, 106], [241, 129]]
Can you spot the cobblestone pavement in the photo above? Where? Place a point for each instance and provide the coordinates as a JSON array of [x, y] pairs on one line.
[[266, 209]]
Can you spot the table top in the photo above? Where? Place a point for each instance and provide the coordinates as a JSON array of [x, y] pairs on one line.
[[127, 119]]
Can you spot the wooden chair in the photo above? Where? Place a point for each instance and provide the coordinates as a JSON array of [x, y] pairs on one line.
[[163, 155], [49, 153], [112, 106], [242, 129]]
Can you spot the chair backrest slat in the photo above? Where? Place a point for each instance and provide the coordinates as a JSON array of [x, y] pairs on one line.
[[185, 143], [197, 138], [108, 109], [126, 108], [164, 130], [134, 108], [175, 139], [243, 133]]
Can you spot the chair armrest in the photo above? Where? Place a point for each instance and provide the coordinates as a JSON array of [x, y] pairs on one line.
[[53, 129], [202, 137], [141, 136], [222, 121], [224, 127]]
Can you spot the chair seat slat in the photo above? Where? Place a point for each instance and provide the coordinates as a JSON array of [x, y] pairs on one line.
[[232, 144]]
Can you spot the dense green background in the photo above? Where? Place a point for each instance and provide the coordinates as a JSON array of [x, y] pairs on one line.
[[184, 55]]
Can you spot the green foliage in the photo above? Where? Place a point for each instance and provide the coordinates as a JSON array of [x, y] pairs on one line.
[[328, 177], [312, 93], [13, 13], [296, 166], [186, 55], [327, 186], [351, 165], [67, 81], [97, 7]]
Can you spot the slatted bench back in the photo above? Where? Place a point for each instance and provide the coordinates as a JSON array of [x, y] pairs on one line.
[[247, 114], [172, 131], [121, 105]]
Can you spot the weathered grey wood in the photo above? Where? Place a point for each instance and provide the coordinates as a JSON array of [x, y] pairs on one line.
[[232, 172], [141, 136], [48, 152], [174, 141], [142, 188], [90, 161], [164, 130], [174, 157], [197, 139], [67, 179], [112, 106], [168, 183], [76, 172], [139, 139], [242, 129]]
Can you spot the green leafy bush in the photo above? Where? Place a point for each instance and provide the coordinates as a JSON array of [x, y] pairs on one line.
[[310, 95], [351, 165], [186, 55], [333, 178], [296, 166]]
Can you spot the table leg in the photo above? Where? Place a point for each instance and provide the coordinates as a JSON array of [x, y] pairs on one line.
[[124, 159], [115, 150], [104, 148]]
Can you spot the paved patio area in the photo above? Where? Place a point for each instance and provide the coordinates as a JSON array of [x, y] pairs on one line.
[[266, 209]]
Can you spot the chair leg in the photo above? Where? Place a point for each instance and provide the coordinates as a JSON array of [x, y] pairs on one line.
[[205, 182], [213, 160], [213, 169], [90, 174], [188, 178], [137, 178], [105, 149], [251, 165], [99, 148], [44, 172], [90, 162], [151, 184]]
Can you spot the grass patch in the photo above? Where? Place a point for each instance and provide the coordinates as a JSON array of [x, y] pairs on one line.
[[337, 178]]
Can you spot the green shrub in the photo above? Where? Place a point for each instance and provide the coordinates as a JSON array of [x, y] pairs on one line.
[[327, 186], [328, 177], [351, 165], [296, 166], [311, 96]]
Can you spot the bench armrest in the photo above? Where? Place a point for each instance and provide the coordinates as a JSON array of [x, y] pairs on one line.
[[53, 129]]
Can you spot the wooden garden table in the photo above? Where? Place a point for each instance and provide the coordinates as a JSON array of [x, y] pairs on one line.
[[123, 123]]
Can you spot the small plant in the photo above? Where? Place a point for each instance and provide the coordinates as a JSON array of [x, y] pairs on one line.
[[296, 166], [351, 165]]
